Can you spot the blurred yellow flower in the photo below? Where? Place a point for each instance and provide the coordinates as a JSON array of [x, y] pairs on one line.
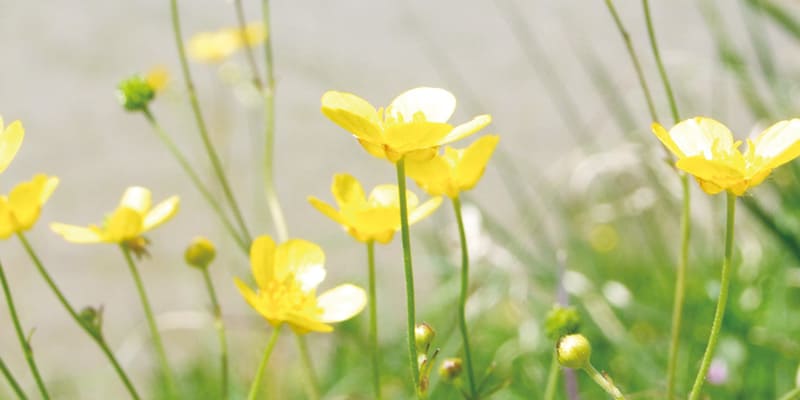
[[414, 123], [126, 224], [375, 218], [21, 208], [157, 78], [455, 171], [10, 141], [705, 148], [214, 47], [287, 276]]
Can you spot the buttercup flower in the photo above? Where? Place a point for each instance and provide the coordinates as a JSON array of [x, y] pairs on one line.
[[287, 276], [10, 141], [21, 208], [414, 124], [705, 148], [157, 77], [126, 225], [375, 218], [214, 47], [455, 171]]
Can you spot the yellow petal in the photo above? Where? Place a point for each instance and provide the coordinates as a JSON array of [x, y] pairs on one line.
[[424, 210], [666, 140], [303, 259], [375, 150], [157, 77], [341, 303], [27, 198], [124, 224], [162, 212], [712, 171], [10, 141], [254, 34], [352, 113], [779, 144], [466, 129], [700, 135], [709, 187], [262, 260], [7, 222], [77, 234], [376, 221], [433, 175], [302, 323], [249, 295], [137, 199], [414, 136], [347, 191], [213, 47], [437, 105], [327, 209], [473, 162], [389, 196]]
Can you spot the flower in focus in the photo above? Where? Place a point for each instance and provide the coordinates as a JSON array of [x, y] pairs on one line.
[[375, 218], [21, 208], [214, 47], [126, 225], [705, 148], [455, 171], [10, 141], [287, 276], [414, 123]]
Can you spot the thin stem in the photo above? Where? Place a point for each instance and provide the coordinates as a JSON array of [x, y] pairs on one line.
[[409, 273], [219, 325], [680, 290], [373, 321], [151, 323], [95, 335], [651, 33], [248, 51], [604, 382], [552, 379], [201, 125], [462, 306], [308, 367], [725, 281], [23, 341], [195, 178], [269, 135], [793, 394], [253, 394], [12, 381]]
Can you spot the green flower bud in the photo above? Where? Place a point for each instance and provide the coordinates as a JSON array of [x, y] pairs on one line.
[[200, 253], [561, 321], [450, 369], [574, 351], [92, 318], [135, 93], [423, 335]]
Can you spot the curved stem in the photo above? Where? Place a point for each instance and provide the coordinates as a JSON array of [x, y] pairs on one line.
[[23, 341], [219, 325], [253, 394], [725, 281], [12, 381], [248, 51], [680, 290], [604, 382], [95, 335], [308, 367], [462, 306], [195, 178], [269, 135], [151, 323], [651, 33], [201, 125], [409, 274], [552, 379], [373, 321]]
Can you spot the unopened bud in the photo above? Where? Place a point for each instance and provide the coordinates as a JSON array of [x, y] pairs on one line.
[[574, 351], [135, 93], [450, 369], [423, 335], [200, 253], [561, 321], [92, 318]]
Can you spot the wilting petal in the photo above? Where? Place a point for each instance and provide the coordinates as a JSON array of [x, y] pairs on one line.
[[779, 144], [163, 212], [136, 198], [341, 303], [424, 210], [77, 234], [352, 113], [466, 129], [262, 260], [437, 105], [303, 259], [10, 141], [347, 191]]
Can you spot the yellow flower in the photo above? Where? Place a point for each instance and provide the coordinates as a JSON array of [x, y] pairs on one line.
[[287, 277], [10, 140], [126, 224], [375, 218], [455, 171], [415, 123], [21, 208], [157, 78], [705, 148], [214, 47]]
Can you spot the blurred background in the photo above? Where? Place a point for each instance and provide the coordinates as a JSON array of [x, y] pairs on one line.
[[578, 196]]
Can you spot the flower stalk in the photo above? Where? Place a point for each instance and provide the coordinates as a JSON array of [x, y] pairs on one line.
[[308, 367], [373, 321], [12, 381], [254, 387], [462, 306], [219, 326]]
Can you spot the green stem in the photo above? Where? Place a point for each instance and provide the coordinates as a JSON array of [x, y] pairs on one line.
[[604, 382], [201, 125], [793, 394], [373, 321], [462, 306], [308, 367], [269, 135], [195, 178], [95, 335], [721, 301], [219, 325], [253, 394], [248, 51], [151, 323], [651, 33], [12, 381], [680, 289], [552, 379], [23, 341], [409, 273]]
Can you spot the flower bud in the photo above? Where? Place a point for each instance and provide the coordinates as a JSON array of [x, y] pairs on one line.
[[561, 321], [135, 93], [92, 318], [574, 351], [200, 253], [423, 335], [450, 369]]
